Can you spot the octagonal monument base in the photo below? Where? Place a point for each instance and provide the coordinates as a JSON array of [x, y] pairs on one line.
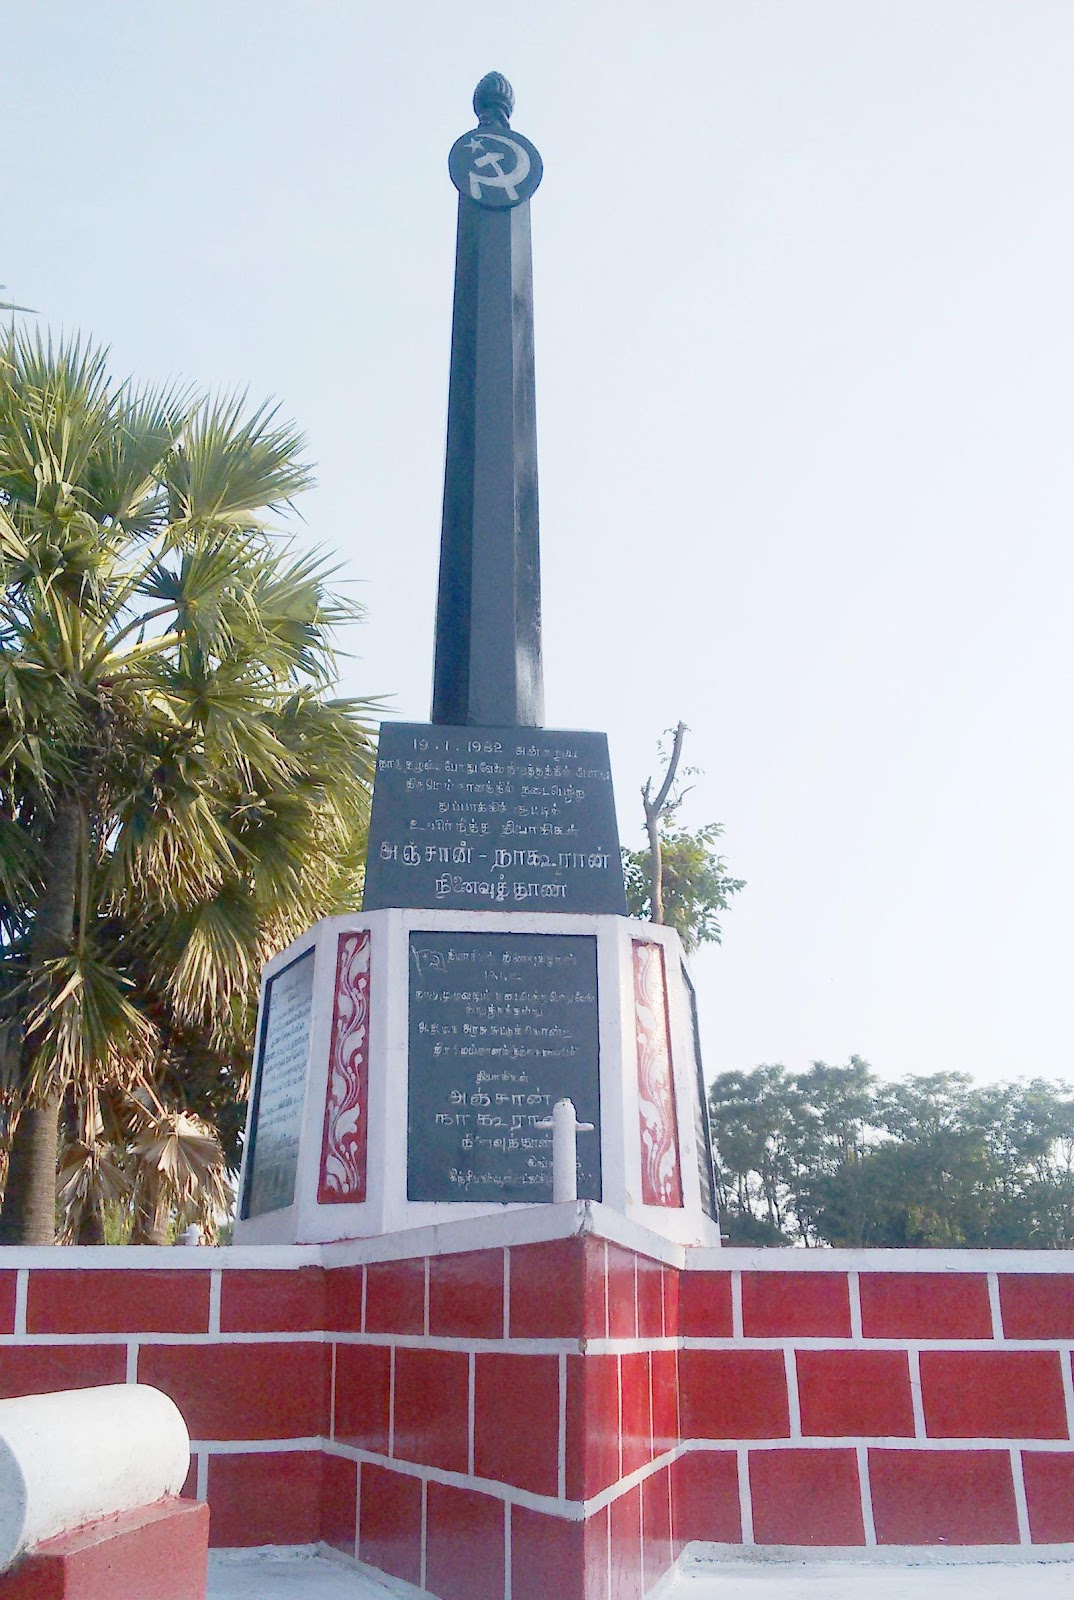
[[407, 1058]]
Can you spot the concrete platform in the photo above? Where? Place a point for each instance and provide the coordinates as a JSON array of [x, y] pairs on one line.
[[294, 1575]]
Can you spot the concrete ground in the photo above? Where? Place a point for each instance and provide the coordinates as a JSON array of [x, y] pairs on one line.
[[272, 1575]]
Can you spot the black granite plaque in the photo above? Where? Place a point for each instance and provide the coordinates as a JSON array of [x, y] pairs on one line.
[[501, 1027], [702, 1127], [493, 819], [279, 1089]]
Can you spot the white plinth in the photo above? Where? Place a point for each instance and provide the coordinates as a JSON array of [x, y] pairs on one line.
[[329, 1105]]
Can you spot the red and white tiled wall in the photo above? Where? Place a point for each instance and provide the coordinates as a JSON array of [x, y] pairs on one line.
[[505, 1420]]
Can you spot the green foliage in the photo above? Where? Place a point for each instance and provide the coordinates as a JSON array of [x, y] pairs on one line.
[[697, 885], [833, 1156]]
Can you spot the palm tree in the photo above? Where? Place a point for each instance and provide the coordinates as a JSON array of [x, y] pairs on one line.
[[178, 793]]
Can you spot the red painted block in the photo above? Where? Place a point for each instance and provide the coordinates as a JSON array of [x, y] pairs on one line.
[[704, 1498], [664, 1366], [625, 1543], [993, 1394], [516, 1421], [557, 1290], [343, 1299], [273, 1302], [809, 1497], [804, 1305], [671, 1281], [1037, 1305], [390, 1532], [593, 1436], [650, 1298], [243, 1391], [363, 1395], [269, 1498], [547, 1556], [705, 1305], [7, 1301], [339, 1503], [1049, 1481], [622, 1293], [117, 1302], [432, 1403], [395, 1297], [637, 1410], [466, 1295], [733, 1394], [925, 1305], [159, 1550], [42, 1368], [855, 1393], [656, 1552], [597, 1535], [464, 1544], [943, 1497]]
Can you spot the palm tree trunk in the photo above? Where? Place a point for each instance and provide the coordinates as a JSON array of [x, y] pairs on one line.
[[28, 1213]]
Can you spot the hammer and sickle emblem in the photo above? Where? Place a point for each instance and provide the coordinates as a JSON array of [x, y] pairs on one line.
[[498, 178]]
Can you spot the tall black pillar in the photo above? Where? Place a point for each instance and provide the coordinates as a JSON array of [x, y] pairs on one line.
[[488, 670]]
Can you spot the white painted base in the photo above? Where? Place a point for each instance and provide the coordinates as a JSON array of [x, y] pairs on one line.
[[386, 1208]]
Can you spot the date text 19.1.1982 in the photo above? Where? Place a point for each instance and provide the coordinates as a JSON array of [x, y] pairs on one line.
[[493, 819]]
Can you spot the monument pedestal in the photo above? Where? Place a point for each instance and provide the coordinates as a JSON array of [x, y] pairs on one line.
[[406, 1059]]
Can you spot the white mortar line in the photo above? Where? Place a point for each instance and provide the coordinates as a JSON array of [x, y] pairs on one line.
[[506, 1292], [994, 1305], [391, 1417], [132, 1361], [424, 1530], [794, 1408], [1020, 1505], [214, 1300], [22, 1285], [562, 1464], [866, 1493], [507, 1551], [745, 1504], [854, 1291], [736, 1305], [915, 1394], [471, 1410]]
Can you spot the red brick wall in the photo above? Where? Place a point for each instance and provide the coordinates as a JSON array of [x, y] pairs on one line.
[[578, 1411]]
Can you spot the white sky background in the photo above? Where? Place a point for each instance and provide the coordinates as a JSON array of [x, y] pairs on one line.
[[805, 368]]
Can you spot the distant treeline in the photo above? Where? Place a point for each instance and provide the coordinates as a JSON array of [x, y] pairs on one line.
[[833, 1156]]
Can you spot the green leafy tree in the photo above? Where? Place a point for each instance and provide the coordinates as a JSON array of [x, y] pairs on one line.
[[178, 792]]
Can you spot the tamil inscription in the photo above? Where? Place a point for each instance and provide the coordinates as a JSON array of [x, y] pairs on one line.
[[501, 1027], [493, 819], [279, 1089]]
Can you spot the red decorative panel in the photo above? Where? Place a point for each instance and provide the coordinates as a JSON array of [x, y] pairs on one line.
[[943, 1497], [1037, 1305], [242, 1391], [343, 1299], [1049, 1481], [117, 1302], [464, 1544], [665, 1371], [346, 1122], [925, 1305], [547, 1556], [466, 1295], [656, 1553], [272, 1302], [846, 1394], [705, 1305], [622, 1293], [806, 1497], [625, 1539], [363, 1395], [390, 1532], [40, 1368], [158, 1550], [803, 1305], [432, 1402], [637, 1410], [339, 1503], [733, 1394], [395, 1296], [516, 1420], [704, 1497], [267, 1498], [993, 1394], [650, 1298], [557, 1290], [7, 1302], [593, 1436], [661, 1180]]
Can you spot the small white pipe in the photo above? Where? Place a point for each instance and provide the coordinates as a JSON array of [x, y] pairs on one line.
[[565, 1130], [69, 1458]]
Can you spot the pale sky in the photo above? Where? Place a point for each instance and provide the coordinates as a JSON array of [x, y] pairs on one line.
[[805, 384]]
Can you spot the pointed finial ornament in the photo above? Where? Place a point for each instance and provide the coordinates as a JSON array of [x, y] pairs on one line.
[[494, 99], [493, 164]]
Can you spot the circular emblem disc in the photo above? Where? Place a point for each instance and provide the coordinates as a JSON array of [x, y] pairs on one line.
[[493, 168]]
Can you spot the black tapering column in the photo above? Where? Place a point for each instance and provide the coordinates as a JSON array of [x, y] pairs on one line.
[[488, 669]]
